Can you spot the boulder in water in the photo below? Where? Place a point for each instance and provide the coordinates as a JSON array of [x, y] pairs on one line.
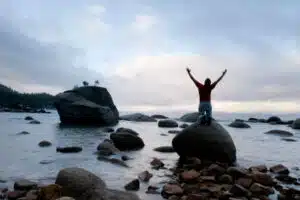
[[190, 117], [239, 124], [127, 141], [34, 122], [205, 142], [183, 125], [252, 119], [28, 118], [45, 143], [126, 130], [137, 117], [274, 119], [296, 124], [164, 149], [87, 105], [167, 123], [107, 148]]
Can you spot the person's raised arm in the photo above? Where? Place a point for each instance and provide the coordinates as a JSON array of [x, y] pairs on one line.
[[219, 79], [193, 79]]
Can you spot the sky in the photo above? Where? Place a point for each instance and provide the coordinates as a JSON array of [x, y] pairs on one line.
[[139, 50]]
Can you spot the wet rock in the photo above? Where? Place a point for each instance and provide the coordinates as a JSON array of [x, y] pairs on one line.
[[205, 142], [34, 122], [116, 195], [262, 178], [137, 117], [165, 149], [157, 163], [296, 124], [71, 149], [171, 189], [48, 192], [199, 196], [32, 195], [238, 190], [174, 131], [145, 176], [28, 118], [286, 179], [108, 130], [274, 119], [153, 190], [281, 133], [107, 148], [237, 172], [211, 179], [24, 184], [163, 134], [258, 168], [14, 195], [157, 116], [23, 133], [183, 126], [279, 169], [174, 197], [78, 182], [127, 141], [117, 161], [259, 189], [45, 143], [262, 120], [133, 185], [127, 130], [225, 178], [289, 139], [167, 123], [245, 182], [239, 124], [215, 169], [190, 175]]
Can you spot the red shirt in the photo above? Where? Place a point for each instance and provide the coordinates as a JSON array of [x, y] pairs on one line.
[[204, 91]]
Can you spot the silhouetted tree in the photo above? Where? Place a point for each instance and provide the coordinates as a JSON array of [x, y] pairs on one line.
[[96, 82], [85, 83], [75, 86]]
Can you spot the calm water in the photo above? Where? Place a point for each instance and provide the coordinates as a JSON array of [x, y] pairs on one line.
[[20, 154]]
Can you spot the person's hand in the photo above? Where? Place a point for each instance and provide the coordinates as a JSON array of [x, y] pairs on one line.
[[225, 71], [188, 70]]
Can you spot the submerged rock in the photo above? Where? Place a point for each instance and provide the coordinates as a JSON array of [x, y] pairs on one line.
[[87, 105], [24, 184], [107, 148], [113, 160], [133, 185], [289, 139], [239, 124], [174, 131], [145, 176], [23, 133], [183, 126], [281, 133], [71, 149], [279, 169], [45, 143], [28, 118], [205, 142], [34, 122], [167, 123], [137, 117]]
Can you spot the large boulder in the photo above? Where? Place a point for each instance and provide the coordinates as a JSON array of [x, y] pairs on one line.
[[211, 142], [296, 124], [87, 105], [281, 133], [190, 117], [137, 117], [81, 184]]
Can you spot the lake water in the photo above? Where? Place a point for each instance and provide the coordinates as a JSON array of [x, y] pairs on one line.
[[21, 156]]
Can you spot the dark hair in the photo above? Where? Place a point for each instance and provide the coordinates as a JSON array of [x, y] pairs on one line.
[[207, 81]]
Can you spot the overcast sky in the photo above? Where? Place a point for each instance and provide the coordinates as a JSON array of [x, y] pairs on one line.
[[139, 50]]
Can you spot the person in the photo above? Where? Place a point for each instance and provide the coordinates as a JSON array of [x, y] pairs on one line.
[[205, 95]]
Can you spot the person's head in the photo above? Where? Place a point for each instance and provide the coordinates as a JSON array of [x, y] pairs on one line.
[[207, 82]]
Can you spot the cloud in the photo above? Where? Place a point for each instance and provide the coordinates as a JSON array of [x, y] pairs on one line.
[[144, 23]]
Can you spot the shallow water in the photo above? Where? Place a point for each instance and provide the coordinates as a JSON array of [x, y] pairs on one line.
[[21, 156]]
